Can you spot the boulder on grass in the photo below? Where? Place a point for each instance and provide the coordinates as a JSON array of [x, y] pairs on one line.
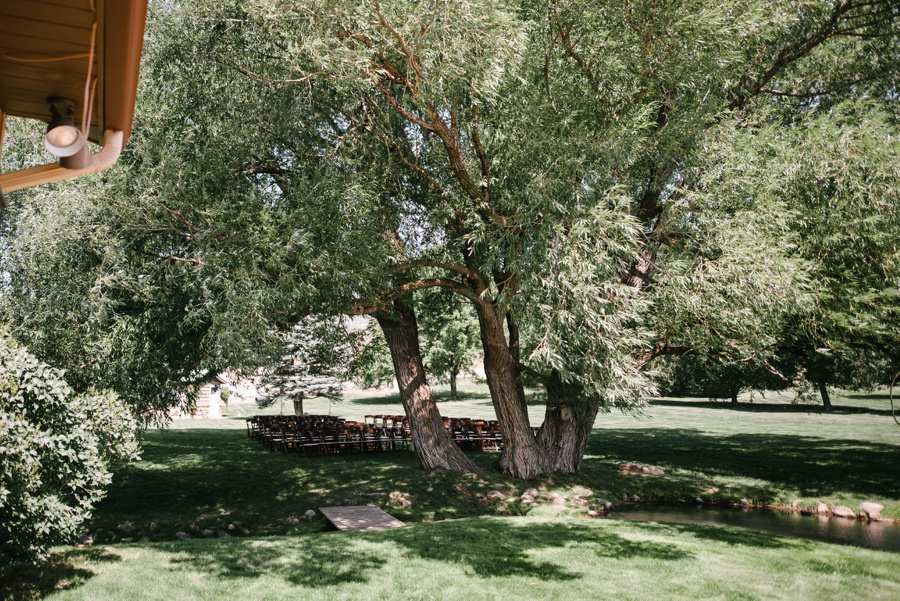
[[870, 510], [842, 511], [633, 468]]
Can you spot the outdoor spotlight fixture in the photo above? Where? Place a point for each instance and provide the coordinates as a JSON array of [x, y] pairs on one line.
[[63, 138]]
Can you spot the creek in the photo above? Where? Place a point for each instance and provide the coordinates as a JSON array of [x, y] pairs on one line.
[[873, 535]]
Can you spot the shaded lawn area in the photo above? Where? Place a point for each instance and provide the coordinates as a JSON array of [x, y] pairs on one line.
[[211, 475], [482, 558], [208, 474], [766, 466]]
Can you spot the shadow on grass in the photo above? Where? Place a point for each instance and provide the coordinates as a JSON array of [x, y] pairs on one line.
[[734, 536], [195, 478], [390, 399], [488, 548], [492, 548], [439, 397], [765, 407], [814, 466], [442, 396], [310, 561], [63, 571], [874, 396], [201, 476]]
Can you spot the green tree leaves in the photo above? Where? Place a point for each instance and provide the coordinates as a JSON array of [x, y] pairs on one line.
[[55, 448]]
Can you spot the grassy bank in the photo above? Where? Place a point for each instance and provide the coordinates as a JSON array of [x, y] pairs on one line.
[[486, 558], [769, 452], [206, 475]]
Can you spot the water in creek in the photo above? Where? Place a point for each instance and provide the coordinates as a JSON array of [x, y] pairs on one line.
[[873, 535]]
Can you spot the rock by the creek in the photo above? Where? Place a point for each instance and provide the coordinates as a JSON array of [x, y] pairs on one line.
[[222, 534], [593, 513], [154, 526], [533, 492], [310, 513], [495, 495], [126, 527], [207, 532], [183, 535], [527, 498], [870, 510], [698, 501], [231, 527], [194, 528], [821, 508], [245, 532], [745, 503], [842, 511], [559, 502], [292, 521]]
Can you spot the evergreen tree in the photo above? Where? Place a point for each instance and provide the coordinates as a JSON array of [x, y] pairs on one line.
[[312, 364]]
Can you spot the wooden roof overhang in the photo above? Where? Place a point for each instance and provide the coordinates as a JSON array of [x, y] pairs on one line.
[[86, 50]]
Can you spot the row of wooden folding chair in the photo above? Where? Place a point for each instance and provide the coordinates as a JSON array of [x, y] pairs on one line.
[[348, 439], [474, 434], [387, 420], [268, 428]]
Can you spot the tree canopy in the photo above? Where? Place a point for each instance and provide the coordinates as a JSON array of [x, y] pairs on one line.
[[603, 183]]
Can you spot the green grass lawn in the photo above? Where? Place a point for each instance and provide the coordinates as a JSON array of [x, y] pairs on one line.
[[201, 475], [486, 558]]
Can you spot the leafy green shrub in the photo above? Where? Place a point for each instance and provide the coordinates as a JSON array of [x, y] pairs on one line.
[[54, 450]]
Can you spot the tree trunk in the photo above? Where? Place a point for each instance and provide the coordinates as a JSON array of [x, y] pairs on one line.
[[567, 425], [734, 397], [433, 444], [826, 400], [453, 374], [522, 456]]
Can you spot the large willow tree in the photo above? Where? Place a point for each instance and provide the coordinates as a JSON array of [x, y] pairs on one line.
[[548, 162]]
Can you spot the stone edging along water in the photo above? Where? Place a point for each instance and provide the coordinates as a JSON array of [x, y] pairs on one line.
[[868, 510]]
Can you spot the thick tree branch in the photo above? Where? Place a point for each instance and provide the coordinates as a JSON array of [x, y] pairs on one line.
[[402, 110], [469, 274]]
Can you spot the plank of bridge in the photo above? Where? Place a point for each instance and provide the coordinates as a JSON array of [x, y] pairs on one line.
[[360, 518]]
